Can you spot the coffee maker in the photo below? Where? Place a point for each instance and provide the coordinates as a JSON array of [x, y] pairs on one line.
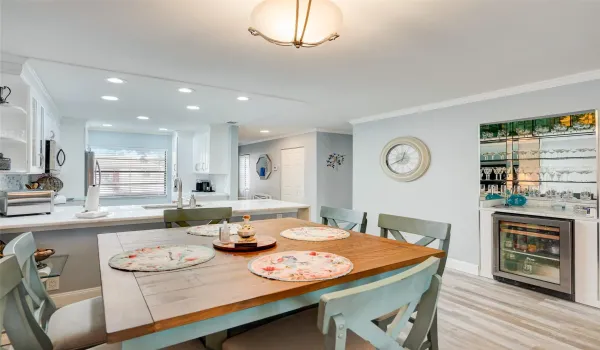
[[203, 186]]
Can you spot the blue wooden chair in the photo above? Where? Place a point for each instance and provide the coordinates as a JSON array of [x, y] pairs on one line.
[[430, 231], [352, 218], [344, 319]]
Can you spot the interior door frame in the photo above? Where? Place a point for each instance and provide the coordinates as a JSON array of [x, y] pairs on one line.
[[281, 165]]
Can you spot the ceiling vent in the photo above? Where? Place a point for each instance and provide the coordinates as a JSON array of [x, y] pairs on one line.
[[232, 123]]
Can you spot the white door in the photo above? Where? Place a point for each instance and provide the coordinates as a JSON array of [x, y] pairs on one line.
[[292, 175]]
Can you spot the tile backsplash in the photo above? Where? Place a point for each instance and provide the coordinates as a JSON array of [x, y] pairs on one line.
[[13, 182]]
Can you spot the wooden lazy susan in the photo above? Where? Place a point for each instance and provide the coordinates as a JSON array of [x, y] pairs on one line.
[[238, 244]]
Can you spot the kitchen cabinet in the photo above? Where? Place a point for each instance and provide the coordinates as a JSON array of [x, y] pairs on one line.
[[201, 155], [212, 150], [14, 122]]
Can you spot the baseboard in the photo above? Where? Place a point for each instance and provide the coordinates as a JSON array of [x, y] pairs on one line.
[[62, 299], [462, 266]]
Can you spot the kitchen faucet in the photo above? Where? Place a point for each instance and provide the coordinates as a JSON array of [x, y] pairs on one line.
[[179, 187]]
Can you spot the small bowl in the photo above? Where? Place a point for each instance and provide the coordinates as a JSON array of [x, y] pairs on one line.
[[43, 254]]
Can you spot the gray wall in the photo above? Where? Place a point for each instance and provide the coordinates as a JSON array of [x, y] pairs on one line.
[[273, 148], [449, 190], [334, 186]]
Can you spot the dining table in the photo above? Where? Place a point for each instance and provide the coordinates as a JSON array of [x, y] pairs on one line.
[[152, 310]]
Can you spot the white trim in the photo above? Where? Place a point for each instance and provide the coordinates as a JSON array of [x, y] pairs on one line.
[[331, 131], [515, 90], [31, 77], [462, 266], [62, 299]]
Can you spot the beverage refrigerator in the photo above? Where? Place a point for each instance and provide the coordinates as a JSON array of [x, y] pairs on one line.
[[535, 253]]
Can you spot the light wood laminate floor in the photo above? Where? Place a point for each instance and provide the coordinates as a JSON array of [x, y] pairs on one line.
[[480, 313]]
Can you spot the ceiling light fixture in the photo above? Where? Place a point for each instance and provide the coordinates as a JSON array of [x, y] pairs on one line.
[[299, 23], [163, 129], [243, 98], [193, 108], [141, 117], [115, 80], [264, 131], [110, 98], [107, 125], [186, 90]]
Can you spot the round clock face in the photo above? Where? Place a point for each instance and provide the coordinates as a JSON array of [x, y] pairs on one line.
[[403, 159]]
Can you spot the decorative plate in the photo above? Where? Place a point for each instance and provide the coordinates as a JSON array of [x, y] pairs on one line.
[[212, 230], [315, 234], [161, 258], [300, 266]]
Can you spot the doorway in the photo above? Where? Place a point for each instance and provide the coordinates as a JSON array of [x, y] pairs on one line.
[[292, 175]]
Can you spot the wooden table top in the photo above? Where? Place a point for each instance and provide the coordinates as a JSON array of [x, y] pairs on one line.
[[140, 303]]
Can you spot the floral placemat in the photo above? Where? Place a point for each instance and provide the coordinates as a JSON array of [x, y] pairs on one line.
[[161, 258], [300, 266], [212, 230], [315, 234]]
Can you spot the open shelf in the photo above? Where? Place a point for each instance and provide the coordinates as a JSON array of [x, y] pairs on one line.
[[518, 159], [540, 181], [546, 256], [537, 137], [531, 234]]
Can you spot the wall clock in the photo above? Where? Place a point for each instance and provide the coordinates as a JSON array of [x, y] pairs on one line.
[[405, 158]]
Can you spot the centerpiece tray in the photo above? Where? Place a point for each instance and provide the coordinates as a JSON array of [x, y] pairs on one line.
[[263, 242]]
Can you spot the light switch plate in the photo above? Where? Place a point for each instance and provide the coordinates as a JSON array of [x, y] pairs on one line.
[[52, 284]]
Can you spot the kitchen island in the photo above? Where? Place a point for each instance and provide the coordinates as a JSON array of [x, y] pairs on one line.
[[75, 237]]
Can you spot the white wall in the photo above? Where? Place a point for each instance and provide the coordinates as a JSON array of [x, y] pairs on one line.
[[273, 148], [449, 190], [73, 142], [334, 186]]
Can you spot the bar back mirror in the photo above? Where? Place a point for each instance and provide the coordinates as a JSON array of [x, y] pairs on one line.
[[263, 166], [550, 158]]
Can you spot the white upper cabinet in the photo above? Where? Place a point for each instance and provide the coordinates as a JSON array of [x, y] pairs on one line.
[[14, 122], [212, 150]]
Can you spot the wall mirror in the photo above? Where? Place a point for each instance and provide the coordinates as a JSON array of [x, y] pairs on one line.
[[263, 166]]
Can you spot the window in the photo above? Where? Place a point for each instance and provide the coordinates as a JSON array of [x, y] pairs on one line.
[[244, 178], [131, 172]]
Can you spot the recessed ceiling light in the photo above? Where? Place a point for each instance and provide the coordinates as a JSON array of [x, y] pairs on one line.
[[243, 98], [110, 98], [163, 129], [107, 125], [264, 131], [186, 90], [193, 108], [141, 117], [115, 80]]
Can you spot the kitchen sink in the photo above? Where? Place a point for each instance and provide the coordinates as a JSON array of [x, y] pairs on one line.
[[165, 206]]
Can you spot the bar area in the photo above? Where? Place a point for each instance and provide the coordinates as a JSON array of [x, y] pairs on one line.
[[538, 201]]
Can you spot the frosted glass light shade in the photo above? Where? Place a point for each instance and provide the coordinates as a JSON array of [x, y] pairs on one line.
[[284, 22]]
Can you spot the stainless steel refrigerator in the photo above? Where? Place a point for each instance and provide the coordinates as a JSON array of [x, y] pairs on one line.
[[93, 173]]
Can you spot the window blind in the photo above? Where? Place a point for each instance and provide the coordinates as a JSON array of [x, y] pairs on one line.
[[244, 178], [131, 172]]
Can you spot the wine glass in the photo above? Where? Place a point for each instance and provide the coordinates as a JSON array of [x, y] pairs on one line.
[[560, 173], [552, 173], [496, 172], [523, 154], [567, 171], [487, 172], [534, 153], [551, 152], [586, 194], [543, 172]]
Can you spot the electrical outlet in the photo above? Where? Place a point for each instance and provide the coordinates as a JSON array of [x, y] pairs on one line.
[[52, 284], [279, 216]]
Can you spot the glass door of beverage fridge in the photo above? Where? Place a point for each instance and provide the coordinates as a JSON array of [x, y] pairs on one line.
[[534, 250]]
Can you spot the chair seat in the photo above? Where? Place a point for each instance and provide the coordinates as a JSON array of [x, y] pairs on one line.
[[295, 332], [194, 344], [79, 325]]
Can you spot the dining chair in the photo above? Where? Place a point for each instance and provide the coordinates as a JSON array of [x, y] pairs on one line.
[[331, 216], [430, 231], [344, 318], [182, 216], [23, 329], [73, 326]]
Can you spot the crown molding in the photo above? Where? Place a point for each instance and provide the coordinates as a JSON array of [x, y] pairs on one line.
[[30, 76], [515, 90], [331, 131]]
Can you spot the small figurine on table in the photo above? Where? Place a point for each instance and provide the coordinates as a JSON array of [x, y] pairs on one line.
[[246, 233]]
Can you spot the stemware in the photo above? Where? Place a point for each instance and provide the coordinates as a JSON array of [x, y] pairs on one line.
[[482, 189], [487, 172], [567, 171], [517, 169], [502, 155], [492, 154], [497, 173], [560, 173], [586, 194], [551, 152], [502, 133], [543, 172], [552, 173], [485, 155], [481, 173], [534, 153]]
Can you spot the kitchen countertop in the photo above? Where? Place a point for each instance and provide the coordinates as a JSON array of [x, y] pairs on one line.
[[63, 217], [540, 211]]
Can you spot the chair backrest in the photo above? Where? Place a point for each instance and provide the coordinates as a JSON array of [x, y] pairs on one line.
[[355, 308], [331, 216], [23, 247], [16, 316], [182, 216], [429, 230]]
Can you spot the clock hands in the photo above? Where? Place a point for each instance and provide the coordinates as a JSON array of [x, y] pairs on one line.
[[401, 159]]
